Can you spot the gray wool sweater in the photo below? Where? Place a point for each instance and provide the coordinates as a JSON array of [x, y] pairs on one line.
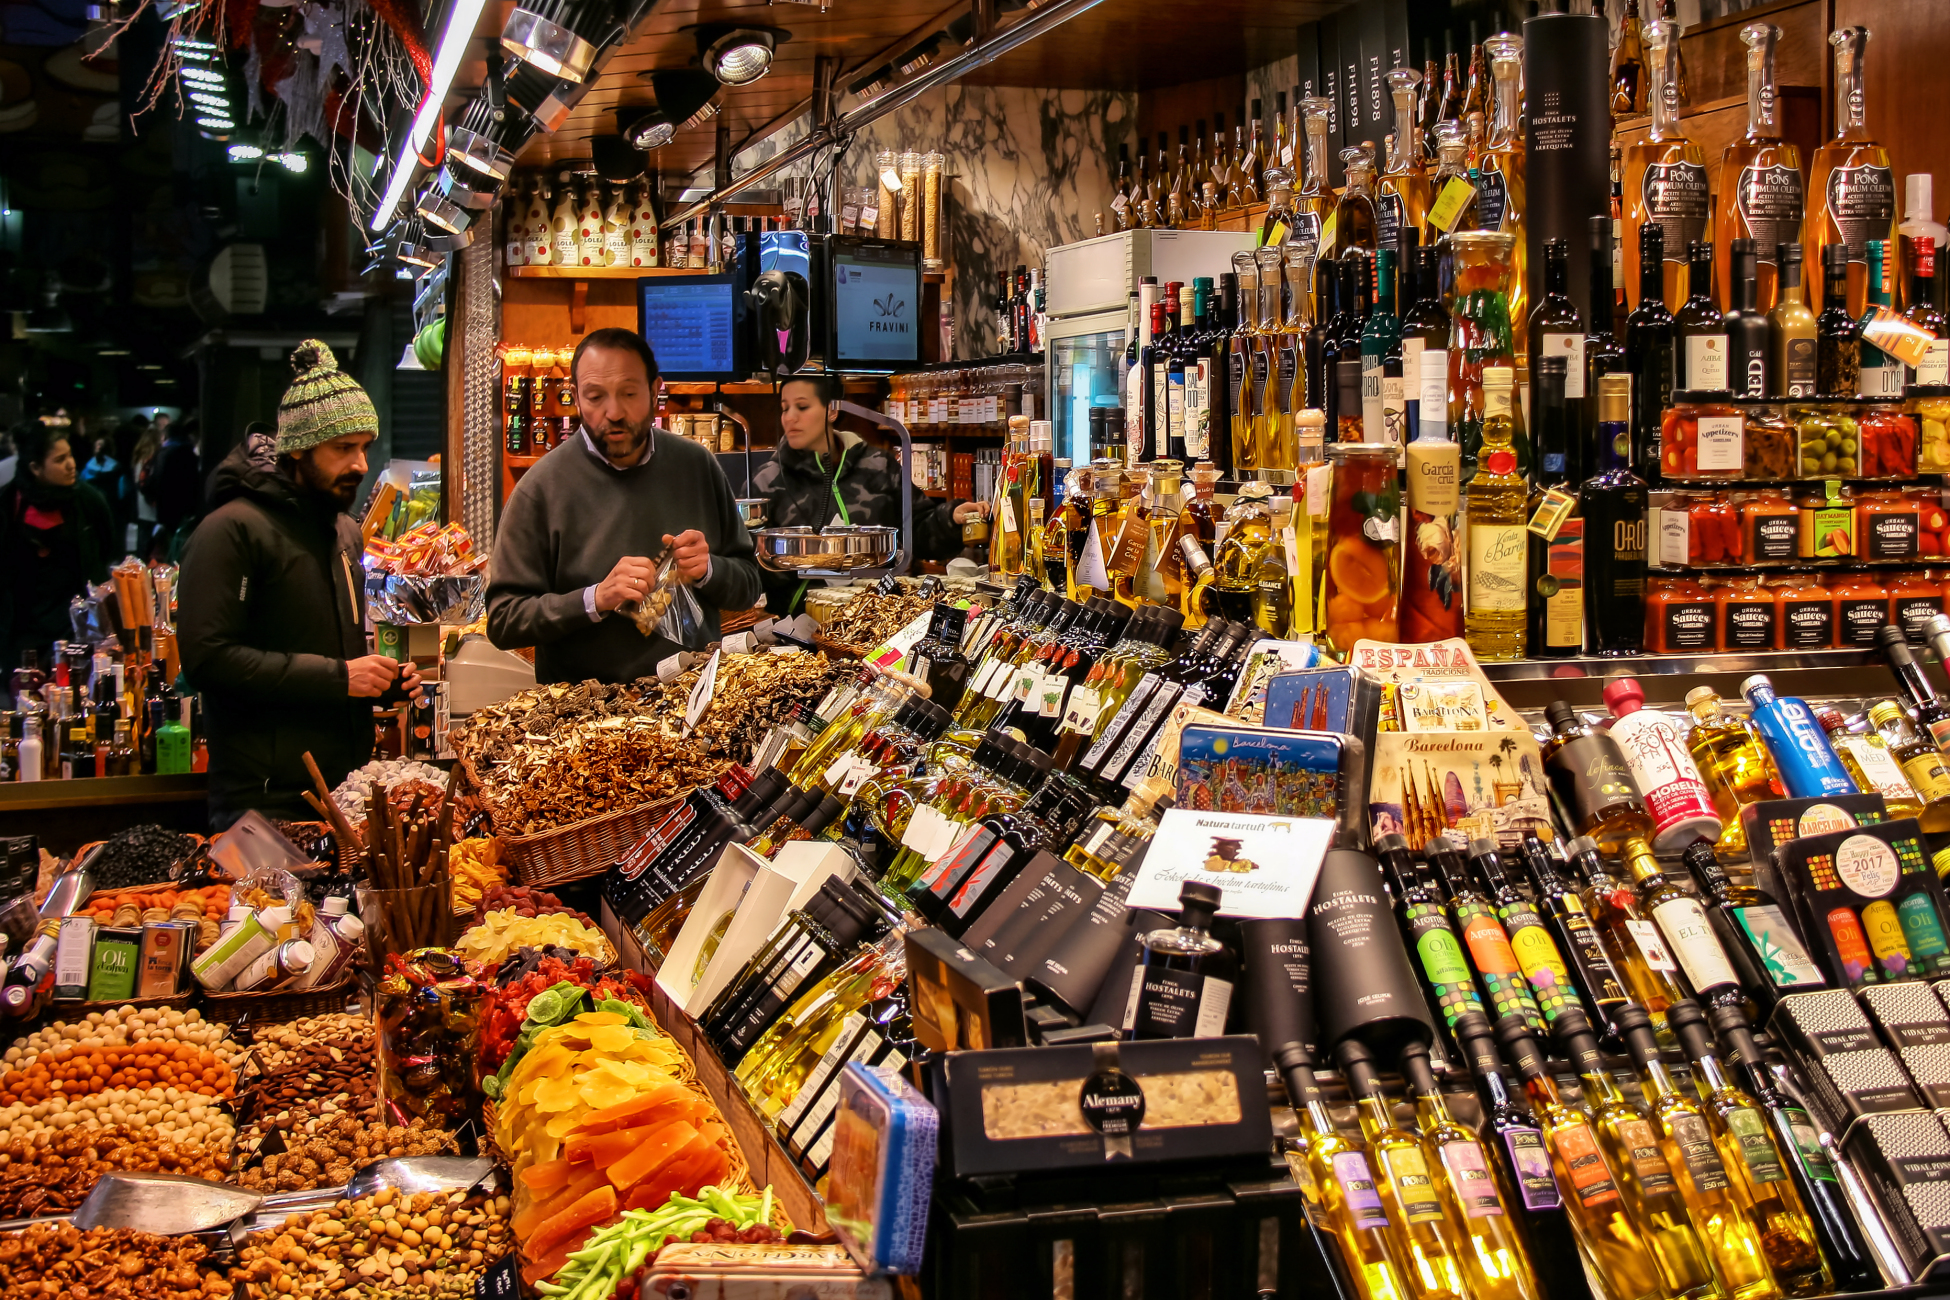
[[572, 516]]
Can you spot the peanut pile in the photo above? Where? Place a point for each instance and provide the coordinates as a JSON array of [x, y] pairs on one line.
[[426, 1246]]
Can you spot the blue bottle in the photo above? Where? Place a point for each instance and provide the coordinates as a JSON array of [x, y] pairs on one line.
[[1800, 747]]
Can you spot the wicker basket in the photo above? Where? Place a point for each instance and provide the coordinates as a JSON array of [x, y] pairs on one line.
[[837, 649], [279, 1004], [580, 850]]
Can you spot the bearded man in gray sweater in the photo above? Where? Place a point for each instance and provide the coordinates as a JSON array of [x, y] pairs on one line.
[[575, 539]]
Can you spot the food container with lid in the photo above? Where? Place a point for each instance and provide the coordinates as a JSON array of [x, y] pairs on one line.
[[1701, 436], [1769, 442], [1888, 441], [1827, 522], [1749, 616], [1861, 607], [1714, 535], [1915, 596], [1929, 407], [1806, 612], [1681, 617], [1770, 527], [1827, 435], [1887, 522]]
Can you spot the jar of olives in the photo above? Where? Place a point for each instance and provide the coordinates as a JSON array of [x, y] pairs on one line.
[[1829, 439]]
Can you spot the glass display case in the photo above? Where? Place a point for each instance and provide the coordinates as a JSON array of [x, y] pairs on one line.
[[1086, 365]]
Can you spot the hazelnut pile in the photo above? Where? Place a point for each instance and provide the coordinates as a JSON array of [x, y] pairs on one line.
[[58, 1260], [424, 1246], [327, 1152], [122, 1025]]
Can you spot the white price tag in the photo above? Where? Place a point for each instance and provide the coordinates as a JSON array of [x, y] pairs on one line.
[[670, 666], [1081, 717], [738, 643], [699, 702], [1675, 538]]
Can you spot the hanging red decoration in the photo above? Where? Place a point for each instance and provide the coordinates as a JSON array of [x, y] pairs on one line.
[[405, 22]]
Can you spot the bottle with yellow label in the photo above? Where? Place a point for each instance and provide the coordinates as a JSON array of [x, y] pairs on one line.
[[1868, 760], [1922, 762], [1432, 1242], [1499, 549]]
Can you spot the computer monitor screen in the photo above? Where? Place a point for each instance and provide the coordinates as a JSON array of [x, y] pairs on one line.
[[690, 323], [876, 304]]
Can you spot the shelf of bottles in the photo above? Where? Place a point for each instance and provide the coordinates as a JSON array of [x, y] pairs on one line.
[[1743, 450]]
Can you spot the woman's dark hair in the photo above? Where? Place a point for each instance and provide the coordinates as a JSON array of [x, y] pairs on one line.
[[616, 339], [829, 386], [34, 440]]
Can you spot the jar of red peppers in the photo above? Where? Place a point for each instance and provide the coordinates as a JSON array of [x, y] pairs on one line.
[[1914, 596], [1713, 531], [1768, 443], [1681, 617], [1932, 522], [1770, 527], [1748, 614], [1805, 612], [1888, 439], [1700, 436], [1861, 607], [1886, 524]]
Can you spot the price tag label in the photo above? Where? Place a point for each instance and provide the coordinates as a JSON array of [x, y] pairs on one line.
[[1551, 513], [670, 666], [896, 647], [1327, 234], [738, 643], [699, 702], [502, 1281], [1449, 204]]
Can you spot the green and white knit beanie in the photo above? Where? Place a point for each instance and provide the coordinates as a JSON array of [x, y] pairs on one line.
[[322, 403]]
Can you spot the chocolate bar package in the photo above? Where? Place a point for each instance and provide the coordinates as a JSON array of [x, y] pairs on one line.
[[1158, 1101], [1871, 905], [1905, 1159], [1287, 773], [1849, 1072], [1773, 822], [1346, 700], [1915, 1023]]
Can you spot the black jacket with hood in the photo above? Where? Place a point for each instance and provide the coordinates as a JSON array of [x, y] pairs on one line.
[[271, 607]]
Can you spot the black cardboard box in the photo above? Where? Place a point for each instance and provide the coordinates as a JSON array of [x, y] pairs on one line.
[[1917, 1025], [1850, 1073], [1905, 1159], [959, 1002]]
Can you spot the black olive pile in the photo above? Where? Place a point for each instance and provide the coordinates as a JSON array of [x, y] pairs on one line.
[[140, 855]]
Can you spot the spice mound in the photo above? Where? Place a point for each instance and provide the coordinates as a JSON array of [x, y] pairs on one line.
[[427, 1246], [60, 1260]]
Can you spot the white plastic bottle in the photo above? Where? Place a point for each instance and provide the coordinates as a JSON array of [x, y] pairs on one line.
[[30, 751], [1655, 748]]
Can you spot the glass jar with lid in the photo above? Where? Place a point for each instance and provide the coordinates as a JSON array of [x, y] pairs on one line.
[[1806, 612], [1713, 533], [1827, 436], [1930, 408], [1770, 528], [1681, 617], [1888, 440], [1769, 442], [1701, 436], [1887, 523], [1749, 616], [1861, 607], [1915, 596]]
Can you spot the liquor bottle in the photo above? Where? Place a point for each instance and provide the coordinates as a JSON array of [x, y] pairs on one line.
[[1592, 780], [1756, 1164], [1313, 200], [1871, 765], [1276, 448], [1338, 1179], [1577, 939], [1488, 943], [1513, 1128], [1762, 198], [1649, 350], [1793, 352], [1248, 367], [1632, 942], [1501, 201], [1746, 327], [1664, 181], [1631, 1264], [810, 943], [996, 850], [1851, 189], [1556, 527], [1122, 216], [1839, 346], [1920, 255], [1221, 159], [1700, 349], [1402, 199], [1219, 388], [1850, 1262], [1185, 977], [1881, 375], [1432, 1245], [1250, 160], [1655, 747], [1721, 1206], [1921, 761], [1183, 190], [1155, 361], [1626, 1137], [1604, 354], [1494, 1261], [1757, 937], [1181, 356], [1382, 398], [1354, 218], [1734, 765], [1543, 966], [788, 1056], [1799, 747], [1425, 329], [1459, 213], [1615, 507], [1498, 552], [1682, 923], [1630, 80], [1555, 329]]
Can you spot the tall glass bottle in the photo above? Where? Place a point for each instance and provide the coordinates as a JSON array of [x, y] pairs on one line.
[[1632, 1148], [1604, 353], [1649, 354], [1851, 189], [1276, 448], [1431, 1243], [1838, 338], [1665, 178], [1614, 504], [1556, 528], [1699, 355], [1488, 943], [1793, 357], [1402, 200], [1603, 1217], [1630, 84], [1498, 549], [1762, 193], [1313, 200], [1882, 373], [1747, 342], [1333, 1172], [1245, 388], [1121, 214], [1734, 765], [1632, 942], [1577, 938], [1720, 1205], [1543, 966], [1555, 329], [1757, 1164], [1426, 928], [1501, 201], [1425, 329], [1355, 222], [1682, 923], [1495, 1262], [1382, 394]]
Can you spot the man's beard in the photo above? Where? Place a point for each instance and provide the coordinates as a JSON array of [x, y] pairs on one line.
[[342, 491], [638, 435]]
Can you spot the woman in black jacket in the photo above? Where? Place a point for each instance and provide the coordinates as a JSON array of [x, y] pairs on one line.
[[820, 475], [55, 538]]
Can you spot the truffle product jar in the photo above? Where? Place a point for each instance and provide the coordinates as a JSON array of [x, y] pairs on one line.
[[1770, 527], [1681, 617]]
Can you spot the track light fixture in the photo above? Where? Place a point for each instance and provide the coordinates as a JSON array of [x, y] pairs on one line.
[[485, 138], [920, 55], [546, 99], [737, 56], [560, 37], [412, 248], [872, 83], [685, 97], [440, 211]]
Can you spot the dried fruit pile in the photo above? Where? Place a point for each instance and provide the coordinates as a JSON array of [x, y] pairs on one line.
[[871, 618]]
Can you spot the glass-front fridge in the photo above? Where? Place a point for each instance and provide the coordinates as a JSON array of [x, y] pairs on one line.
[[1085, 355]]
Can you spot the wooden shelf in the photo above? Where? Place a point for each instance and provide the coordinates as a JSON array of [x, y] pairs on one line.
[[595, 272], [519, 462]]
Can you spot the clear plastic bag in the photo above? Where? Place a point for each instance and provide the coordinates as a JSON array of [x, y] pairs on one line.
[[670, 610]]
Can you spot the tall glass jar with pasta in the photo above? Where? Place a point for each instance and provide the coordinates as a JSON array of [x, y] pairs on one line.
[[932, 214]]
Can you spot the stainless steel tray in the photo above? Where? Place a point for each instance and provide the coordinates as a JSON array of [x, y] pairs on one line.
[[836, 549]]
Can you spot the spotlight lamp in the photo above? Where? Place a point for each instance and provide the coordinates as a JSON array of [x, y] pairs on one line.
[[872, 83], [737, 56], [413, 249], [685, 97], [440, 211], [481, 140], [920, 55], [465, 188], [545, 99], [560, 37]]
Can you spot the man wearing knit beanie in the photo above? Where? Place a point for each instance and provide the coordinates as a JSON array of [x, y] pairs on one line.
[[271, 613]]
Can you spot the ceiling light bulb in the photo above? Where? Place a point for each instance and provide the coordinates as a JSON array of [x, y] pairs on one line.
[[293, 161], [245, 152]]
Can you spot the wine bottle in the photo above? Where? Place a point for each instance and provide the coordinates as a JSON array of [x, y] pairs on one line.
[[1599, 984], [1755, 934], [1592, 780], [1682, 922], [1632, 942]]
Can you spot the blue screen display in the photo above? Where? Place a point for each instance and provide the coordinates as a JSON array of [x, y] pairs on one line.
[[689, 326]]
